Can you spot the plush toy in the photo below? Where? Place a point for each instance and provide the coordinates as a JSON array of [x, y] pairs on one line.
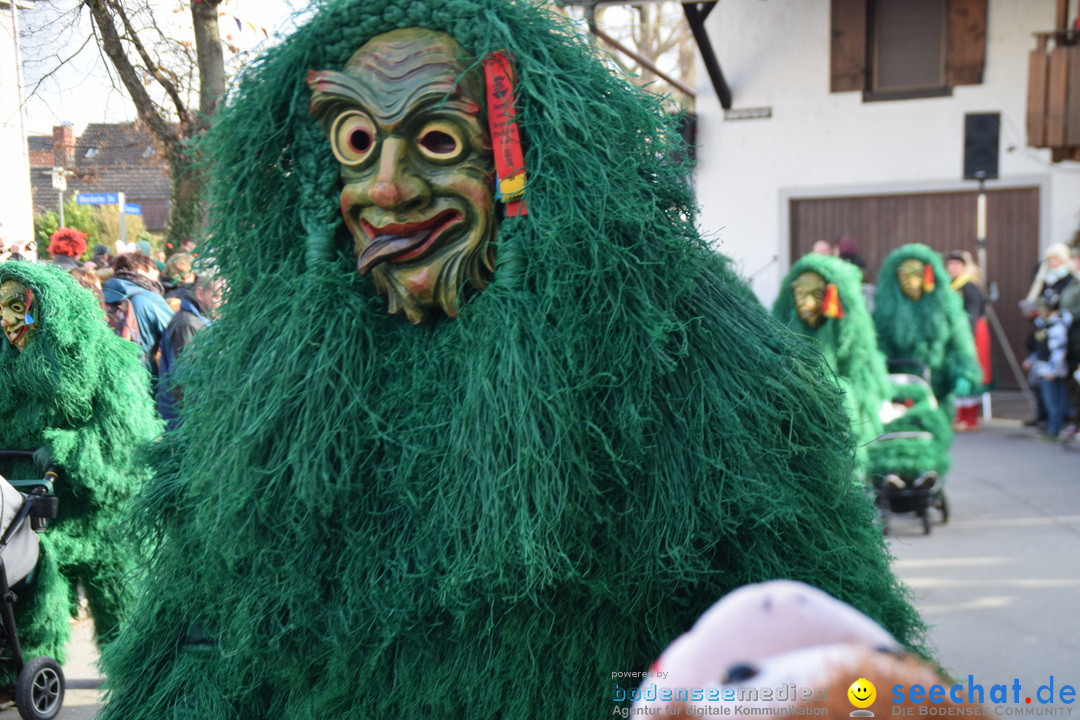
[[785, 649], [821, 298], [482, 417], [75, 393]]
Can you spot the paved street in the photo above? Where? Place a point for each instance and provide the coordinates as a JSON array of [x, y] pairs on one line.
[[999, 583], [82, 699]]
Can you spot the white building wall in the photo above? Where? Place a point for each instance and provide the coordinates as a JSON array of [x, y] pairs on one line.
[[16, 204], [775, 53]]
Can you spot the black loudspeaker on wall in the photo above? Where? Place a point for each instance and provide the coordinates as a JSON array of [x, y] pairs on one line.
[[981, 131]]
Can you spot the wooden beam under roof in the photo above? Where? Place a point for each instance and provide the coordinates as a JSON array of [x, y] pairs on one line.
[[695, 13]]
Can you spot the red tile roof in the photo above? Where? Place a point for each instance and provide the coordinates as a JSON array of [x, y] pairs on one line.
[[109, 157]]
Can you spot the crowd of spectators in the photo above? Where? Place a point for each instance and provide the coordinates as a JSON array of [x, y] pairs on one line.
[[158, 304], [1053, 343]]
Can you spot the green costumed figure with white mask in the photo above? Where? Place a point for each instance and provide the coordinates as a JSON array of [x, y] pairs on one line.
[[77, 395], [477, 426]]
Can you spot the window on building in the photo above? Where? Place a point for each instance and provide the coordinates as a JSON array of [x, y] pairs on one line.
[[897, 49], [907, 43]]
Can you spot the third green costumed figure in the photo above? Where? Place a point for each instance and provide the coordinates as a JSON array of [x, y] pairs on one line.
[[483, 420], [919, 317]]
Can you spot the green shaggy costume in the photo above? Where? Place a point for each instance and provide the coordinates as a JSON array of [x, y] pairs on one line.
[[848, 343], [80, 391], [482, 517], [933, 330], [910, 457]]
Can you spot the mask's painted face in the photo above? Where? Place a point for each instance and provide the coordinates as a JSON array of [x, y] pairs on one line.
[[910, 275], [406, 125], [809, 291], [16, 312]]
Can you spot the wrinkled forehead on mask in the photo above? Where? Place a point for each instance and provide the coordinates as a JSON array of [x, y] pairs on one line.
[[399, 64]]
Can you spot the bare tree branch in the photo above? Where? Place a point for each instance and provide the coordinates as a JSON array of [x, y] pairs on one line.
[[113, 48], [61, 62], [658, 34], [159, 72], [152, 67]]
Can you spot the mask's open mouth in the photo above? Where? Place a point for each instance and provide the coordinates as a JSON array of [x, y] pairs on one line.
[[402, 242], [15, 336]]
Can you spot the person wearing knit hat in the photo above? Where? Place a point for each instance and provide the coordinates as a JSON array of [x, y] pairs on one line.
[[1049, 362], [1053, 278], [1053, 274], [66, 245], [101, 256], [483, 419]]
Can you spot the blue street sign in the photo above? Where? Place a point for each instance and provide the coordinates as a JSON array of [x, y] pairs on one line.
[[132, 209], [97, 198]]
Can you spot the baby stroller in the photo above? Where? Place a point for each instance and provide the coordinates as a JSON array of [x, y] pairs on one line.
[[909, 460], [39, 686]]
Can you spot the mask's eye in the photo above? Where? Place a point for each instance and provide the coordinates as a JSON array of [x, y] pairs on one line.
[[440, 141], [352, 137]]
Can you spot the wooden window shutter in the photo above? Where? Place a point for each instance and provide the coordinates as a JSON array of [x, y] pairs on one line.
[[847, 63], [965, 52]]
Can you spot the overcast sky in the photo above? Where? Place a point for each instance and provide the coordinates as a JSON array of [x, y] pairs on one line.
[[82, 91]]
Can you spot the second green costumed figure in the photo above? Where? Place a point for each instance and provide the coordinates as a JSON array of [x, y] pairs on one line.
[[821, 298], [483, 420], [75, 393]]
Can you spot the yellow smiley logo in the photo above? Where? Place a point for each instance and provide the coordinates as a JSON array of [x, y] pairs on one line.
[[862, 693]]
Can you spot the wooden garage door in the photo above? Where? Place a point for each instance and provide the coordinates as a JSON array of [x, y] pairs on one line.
[[944, 221]]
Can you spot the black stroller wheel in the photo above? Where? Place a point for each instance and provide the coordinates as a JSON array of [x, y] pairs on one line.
[[39, 690], [943, 506], [924, 514]]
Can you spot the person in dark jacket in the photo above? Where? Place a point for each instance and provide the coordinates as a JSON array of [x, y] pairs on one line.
[[136, 279], [197, 305], [965, 276], [965, 280]]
